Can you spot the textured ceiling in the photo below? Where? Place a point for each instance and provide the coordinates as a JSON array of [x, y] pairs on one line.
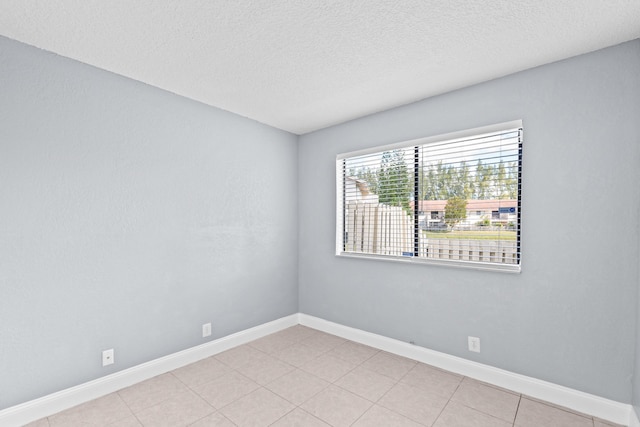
[[301, 65]]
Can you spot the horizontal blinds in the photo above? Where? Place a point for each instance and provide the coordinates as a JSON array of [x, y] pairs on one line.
[[454, 199], [377, 208]]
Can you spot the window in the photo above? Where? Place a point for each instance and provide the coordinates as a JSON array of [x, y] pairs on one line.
[[415, 201]]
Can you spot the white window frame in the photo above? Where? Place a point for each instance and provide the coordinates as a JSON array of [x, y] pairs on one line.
[[464, 134]]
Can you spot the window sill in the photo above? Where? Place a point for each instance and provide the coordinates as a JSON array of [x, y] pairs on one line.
[[472, 265]]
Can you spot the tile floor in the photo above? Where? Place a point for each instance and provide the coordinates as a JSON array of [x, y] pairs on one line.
[[307, 378]]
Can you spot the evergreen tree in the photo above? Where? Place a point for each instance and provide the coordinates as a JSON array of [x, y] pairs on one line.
[[455, 211], [512, 180], [429, 184], [467, 185], [501, 181], [393, 184], [482, 181], [440, 181], [368, 176]]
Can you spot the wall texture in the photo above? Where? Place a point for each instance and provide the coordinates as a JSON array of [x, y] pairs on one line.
[[128, 218], [636, 371], [569, 317]]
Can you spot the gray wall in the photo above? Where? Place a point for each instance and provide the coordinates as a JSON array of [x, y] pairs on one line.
[[636, 372], [128, 218], [569, 317]]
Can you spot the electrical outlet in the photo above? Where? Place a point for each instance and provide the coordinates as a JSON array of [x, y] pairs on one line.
[[474, 344], [108, 357], [206, 330]]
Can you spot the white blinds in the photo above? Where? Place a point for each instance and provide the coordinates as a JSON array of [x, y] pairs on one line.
[[454, 198]]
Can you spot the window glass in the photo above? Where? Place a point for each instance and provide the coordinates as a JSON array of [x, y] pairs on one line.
[[444, 200]]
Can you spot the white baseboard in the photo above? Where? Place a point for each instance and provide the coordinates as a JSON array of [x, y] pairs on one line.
[[596, 406], [39, 408], [599, 407]]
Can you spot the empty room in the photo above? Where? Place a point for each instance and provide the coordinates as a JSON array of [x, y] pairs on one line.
[[320, 213]]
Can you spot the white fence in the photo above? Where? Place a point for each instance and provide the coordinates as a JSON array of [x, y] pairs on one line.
[[500, 251], [387, 230], [377, 229]]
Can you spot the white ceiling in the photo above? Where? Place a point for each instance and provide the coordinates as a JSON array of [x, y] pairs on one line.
[[307, 64]]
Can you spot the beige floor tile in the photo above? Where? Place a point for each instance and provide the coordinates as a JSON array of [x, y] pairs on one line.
[[298, 354], [131, 421], [365, 383], [377, 416], [259, 408], [419, 405], [272, 343], [322, 342], [457, 415], [102, 411], [265, 369], [201, 372], [336, 406], [490, 400], [44, 422], [432, 379], [506, 390], [239, 356], [353, 352], [226, 389], [299, 418], [182, 409], [328, 367], [297, 386], [391, 365], [152, 391], [535, 414], [564, 408], [213, 420], [297, 333]]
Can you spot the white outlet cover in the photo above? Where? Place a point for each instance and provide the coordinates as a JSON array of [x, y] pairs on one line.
[[108, 357], [474, 344], [206, 330]]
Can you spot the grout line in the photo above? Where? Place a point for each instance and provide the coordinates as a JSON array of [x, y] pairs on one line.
[[517, 410], [441, 411]]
